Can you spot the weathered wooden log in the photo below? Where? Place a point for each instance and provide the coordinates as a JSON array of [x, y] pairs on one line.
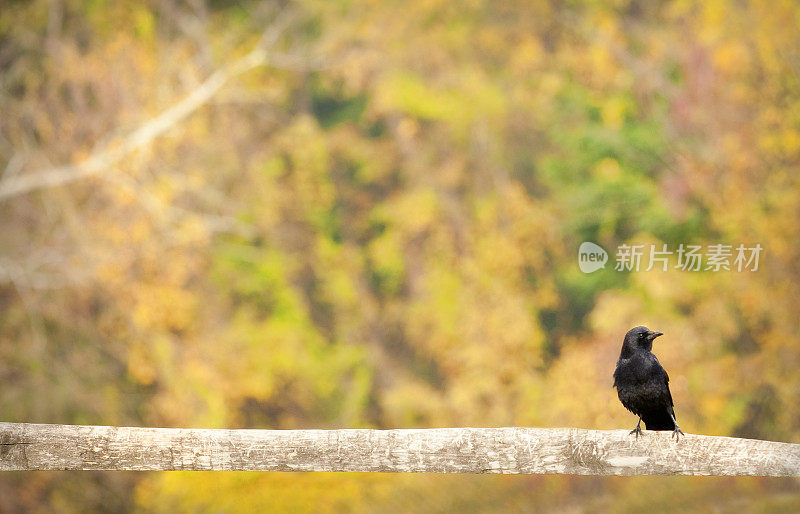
[[25, 446]]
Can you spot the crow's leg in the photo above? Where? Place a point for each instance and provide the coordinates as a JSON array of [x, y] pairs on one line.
[[638, 429], [677, 429]]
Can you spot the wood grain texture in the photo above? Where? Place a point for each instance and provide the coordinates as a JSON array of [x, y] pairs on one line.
[[25, 446]]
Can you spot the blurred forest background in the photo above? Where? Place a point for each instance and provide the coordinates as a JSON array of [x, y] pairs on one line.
[[342, 213]]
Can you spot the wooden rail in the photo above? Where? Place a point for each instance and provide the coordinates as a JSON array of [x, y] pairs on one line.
[[25, 446]]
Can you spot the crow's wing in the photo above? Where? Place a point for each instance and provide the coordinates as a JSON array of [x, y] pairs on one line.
[[669, 395]]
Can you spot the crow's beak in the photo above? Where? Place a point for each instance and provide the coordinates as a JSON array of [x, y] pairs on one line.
[[653, 334]]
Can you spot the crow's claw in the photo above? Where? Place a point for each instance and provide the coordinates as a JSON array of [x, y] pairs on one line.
[[637, 430], [677, 433]]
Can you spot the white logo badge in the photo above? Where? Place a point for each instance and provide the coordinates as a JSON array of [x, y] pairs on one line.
[[591, 257]]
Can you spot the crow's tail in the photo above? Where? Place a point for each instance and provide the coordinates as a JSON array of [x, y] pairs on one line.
[[658, 420]]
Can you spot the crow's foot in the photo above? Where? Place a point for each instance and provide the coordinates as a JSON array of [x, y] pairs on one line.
[[638, 429]]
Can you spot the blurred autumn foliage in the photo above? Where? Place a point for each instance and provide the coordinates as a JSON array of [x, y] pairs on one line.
[[331, 213]]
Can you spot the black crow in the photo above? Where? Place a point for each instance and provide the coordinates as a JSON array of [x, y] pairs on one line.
[[643, 385]]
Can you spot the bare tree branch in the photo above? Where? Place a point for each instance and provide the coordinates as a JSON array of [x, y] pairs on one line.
[[214, 223], [100, 161]]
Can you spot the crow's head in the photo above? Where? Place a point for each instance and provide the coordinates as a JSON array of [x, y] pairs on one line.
[[639, 339]]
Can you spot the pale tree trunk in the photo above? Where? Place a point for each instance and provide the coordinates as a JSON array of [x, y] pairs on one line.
[[26, 446]]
